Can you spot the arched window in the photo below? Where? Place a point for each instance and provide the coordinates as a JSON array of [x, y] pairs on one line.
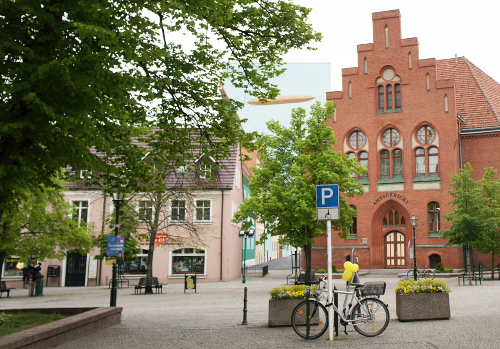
[[428, 81], [366, 66], [393, 219], [445, 103], [397, 160], [433, 160], [386, 36], [350, 89], [363, 160], [409, 61], [434, 217], [351, 155], [398, 95], [420, 161], [426, 134], [385, 163], [353, 229], [391, 137], [381, 98], [434, 259], [389, 96], [357, 140]]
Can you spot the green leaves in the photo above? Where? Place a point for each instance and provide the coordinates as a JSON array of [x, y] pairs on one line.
[[476, 211], [293, 161]]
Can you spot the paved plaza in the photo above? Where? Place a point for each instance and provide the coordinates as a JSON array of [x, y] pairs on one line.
[[212, 317]]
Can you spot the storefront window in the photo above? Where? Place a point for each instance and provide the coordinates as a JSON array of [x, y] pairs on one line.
[[12, 267], [138, 265], [188, 261]]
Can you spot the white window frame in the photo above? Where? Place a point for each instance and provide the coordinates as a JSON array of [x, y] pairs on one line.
[[205, 170], [170, 211], [79, 209], [85, 174], [139, 209], [195, 209], [183, 254], [4, 277]]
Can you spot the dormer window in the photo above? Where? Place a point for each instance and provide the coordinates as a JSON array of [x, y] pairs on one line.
[[85, 174], [205, 170]]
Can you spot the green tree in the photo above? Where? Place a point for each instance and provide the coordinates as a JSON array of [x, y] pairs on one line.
[[129, 227], [490, 241], [283, 190], [80, 79], [476, 212], [41, 227]]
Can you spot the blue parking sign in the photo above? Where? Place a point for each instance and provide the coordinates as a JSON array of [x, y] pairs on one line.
[[327, 196]]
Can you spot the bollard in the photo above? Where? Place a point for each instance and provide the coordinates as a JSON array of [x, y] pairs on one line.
[[335, 315], [245, 307], [112, 302]]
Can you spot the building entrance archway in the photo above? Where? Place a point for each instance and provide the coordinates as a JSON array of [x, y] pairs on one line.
[[395, 252]]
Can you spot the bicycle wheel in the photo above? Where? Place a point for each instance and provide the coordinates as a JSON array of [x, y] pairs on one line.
[[371, 317], [410, 275], [429, 274], [317, 319]]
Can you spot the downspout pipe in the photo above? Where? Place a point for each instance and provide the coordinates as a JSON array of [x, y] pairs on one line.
[[221, 232]]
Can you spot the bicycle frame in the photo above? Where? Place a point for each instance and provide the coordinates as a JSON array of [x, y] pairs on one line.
[[346, 309]]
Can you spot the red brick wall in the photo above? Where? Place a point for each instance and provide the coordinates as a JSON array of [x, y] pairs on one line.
[[420, 106]]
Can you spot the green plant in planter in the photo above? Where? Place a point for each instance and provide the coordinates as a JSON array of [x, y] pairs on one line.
[[422, 286], [439, 268], [294, 292]]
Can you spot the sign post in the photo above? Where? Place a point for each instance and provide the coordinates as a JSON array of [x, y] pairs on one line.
[[327, 208]]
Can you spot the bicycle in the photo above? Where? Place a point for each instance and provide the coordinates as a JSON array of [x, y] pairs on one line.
[[422, 274], [368, 315]]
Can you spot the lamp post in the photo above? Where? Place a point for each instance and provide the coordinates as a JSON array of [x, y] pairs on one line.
[[245, 234], [117, 200], [413, 221]]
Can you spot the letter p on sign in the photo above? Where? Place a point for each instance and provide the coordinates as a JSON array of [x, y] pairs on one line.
[[327, 196]]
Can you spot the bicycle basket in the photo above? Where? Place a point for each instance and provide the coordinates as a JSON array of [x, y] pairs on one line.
[[373, 289]]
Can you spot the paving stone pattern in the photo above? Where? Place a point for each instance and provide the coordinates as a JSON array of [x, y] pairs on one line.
[[212, 317]]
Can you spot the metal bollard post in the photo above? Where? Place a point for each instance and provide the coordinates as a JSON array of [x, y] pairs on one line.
[[245, 307], [335, 315], [112, 302]]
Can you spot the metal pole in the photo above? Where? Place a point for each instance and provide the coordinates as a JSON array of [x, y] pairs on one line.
[[414, 256], [245, 307], [330, 284], [112, 302]]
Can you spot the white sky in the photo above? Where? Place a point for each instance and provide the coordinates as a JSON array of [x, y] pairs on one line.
[[443, 28]]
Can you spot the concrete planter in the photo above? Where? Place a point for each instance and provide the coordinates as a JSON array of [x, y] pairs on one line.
[[280, 311], [423, 306]]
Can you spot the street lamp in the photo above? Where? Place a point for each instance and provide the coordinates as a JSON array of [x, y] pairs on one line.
[[117, 200], [413, 221], [245, 234]]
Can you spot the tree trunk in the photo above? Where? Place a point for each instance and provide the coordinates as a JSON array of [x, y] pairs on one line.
[[493, 266], [3, 254], [307, 254]]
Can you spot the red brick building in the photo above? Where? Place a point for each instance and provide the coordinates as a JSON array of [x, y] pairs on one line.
[[412, 122]]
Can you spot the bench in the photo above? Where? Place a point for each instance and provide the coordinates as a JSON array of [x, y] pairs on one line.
[[148, 282], [3, 288], [472, 275], [302, 280]]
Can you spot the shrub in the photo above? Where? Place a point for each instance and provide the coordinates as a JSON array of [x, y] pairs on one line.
[[294, 292], [448, 270], [422, 286], [4, 317], [440, 267], [334, 270], [321, 271]]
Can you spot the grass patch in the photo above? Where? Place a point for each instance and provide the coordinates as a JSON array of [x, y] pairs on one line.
[[11, 323]]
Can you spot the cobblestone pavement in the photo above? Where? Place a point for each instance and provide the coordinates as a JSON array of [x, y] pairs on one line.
[[212, 317]]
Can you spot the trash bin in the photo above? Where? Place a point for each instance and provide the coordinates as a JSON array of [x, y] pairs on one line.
[[39, 285]]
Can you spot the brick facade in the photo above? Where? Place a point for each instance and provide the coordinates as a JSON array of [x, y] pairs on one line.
[[405, 117]]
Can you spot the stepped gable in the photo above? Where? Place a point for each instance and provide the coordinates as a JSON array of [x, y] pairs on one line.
[[477, 94]]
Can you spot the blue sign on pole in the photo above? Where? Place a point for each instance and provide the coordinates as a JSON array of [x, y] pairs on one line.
[[327, 196]]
